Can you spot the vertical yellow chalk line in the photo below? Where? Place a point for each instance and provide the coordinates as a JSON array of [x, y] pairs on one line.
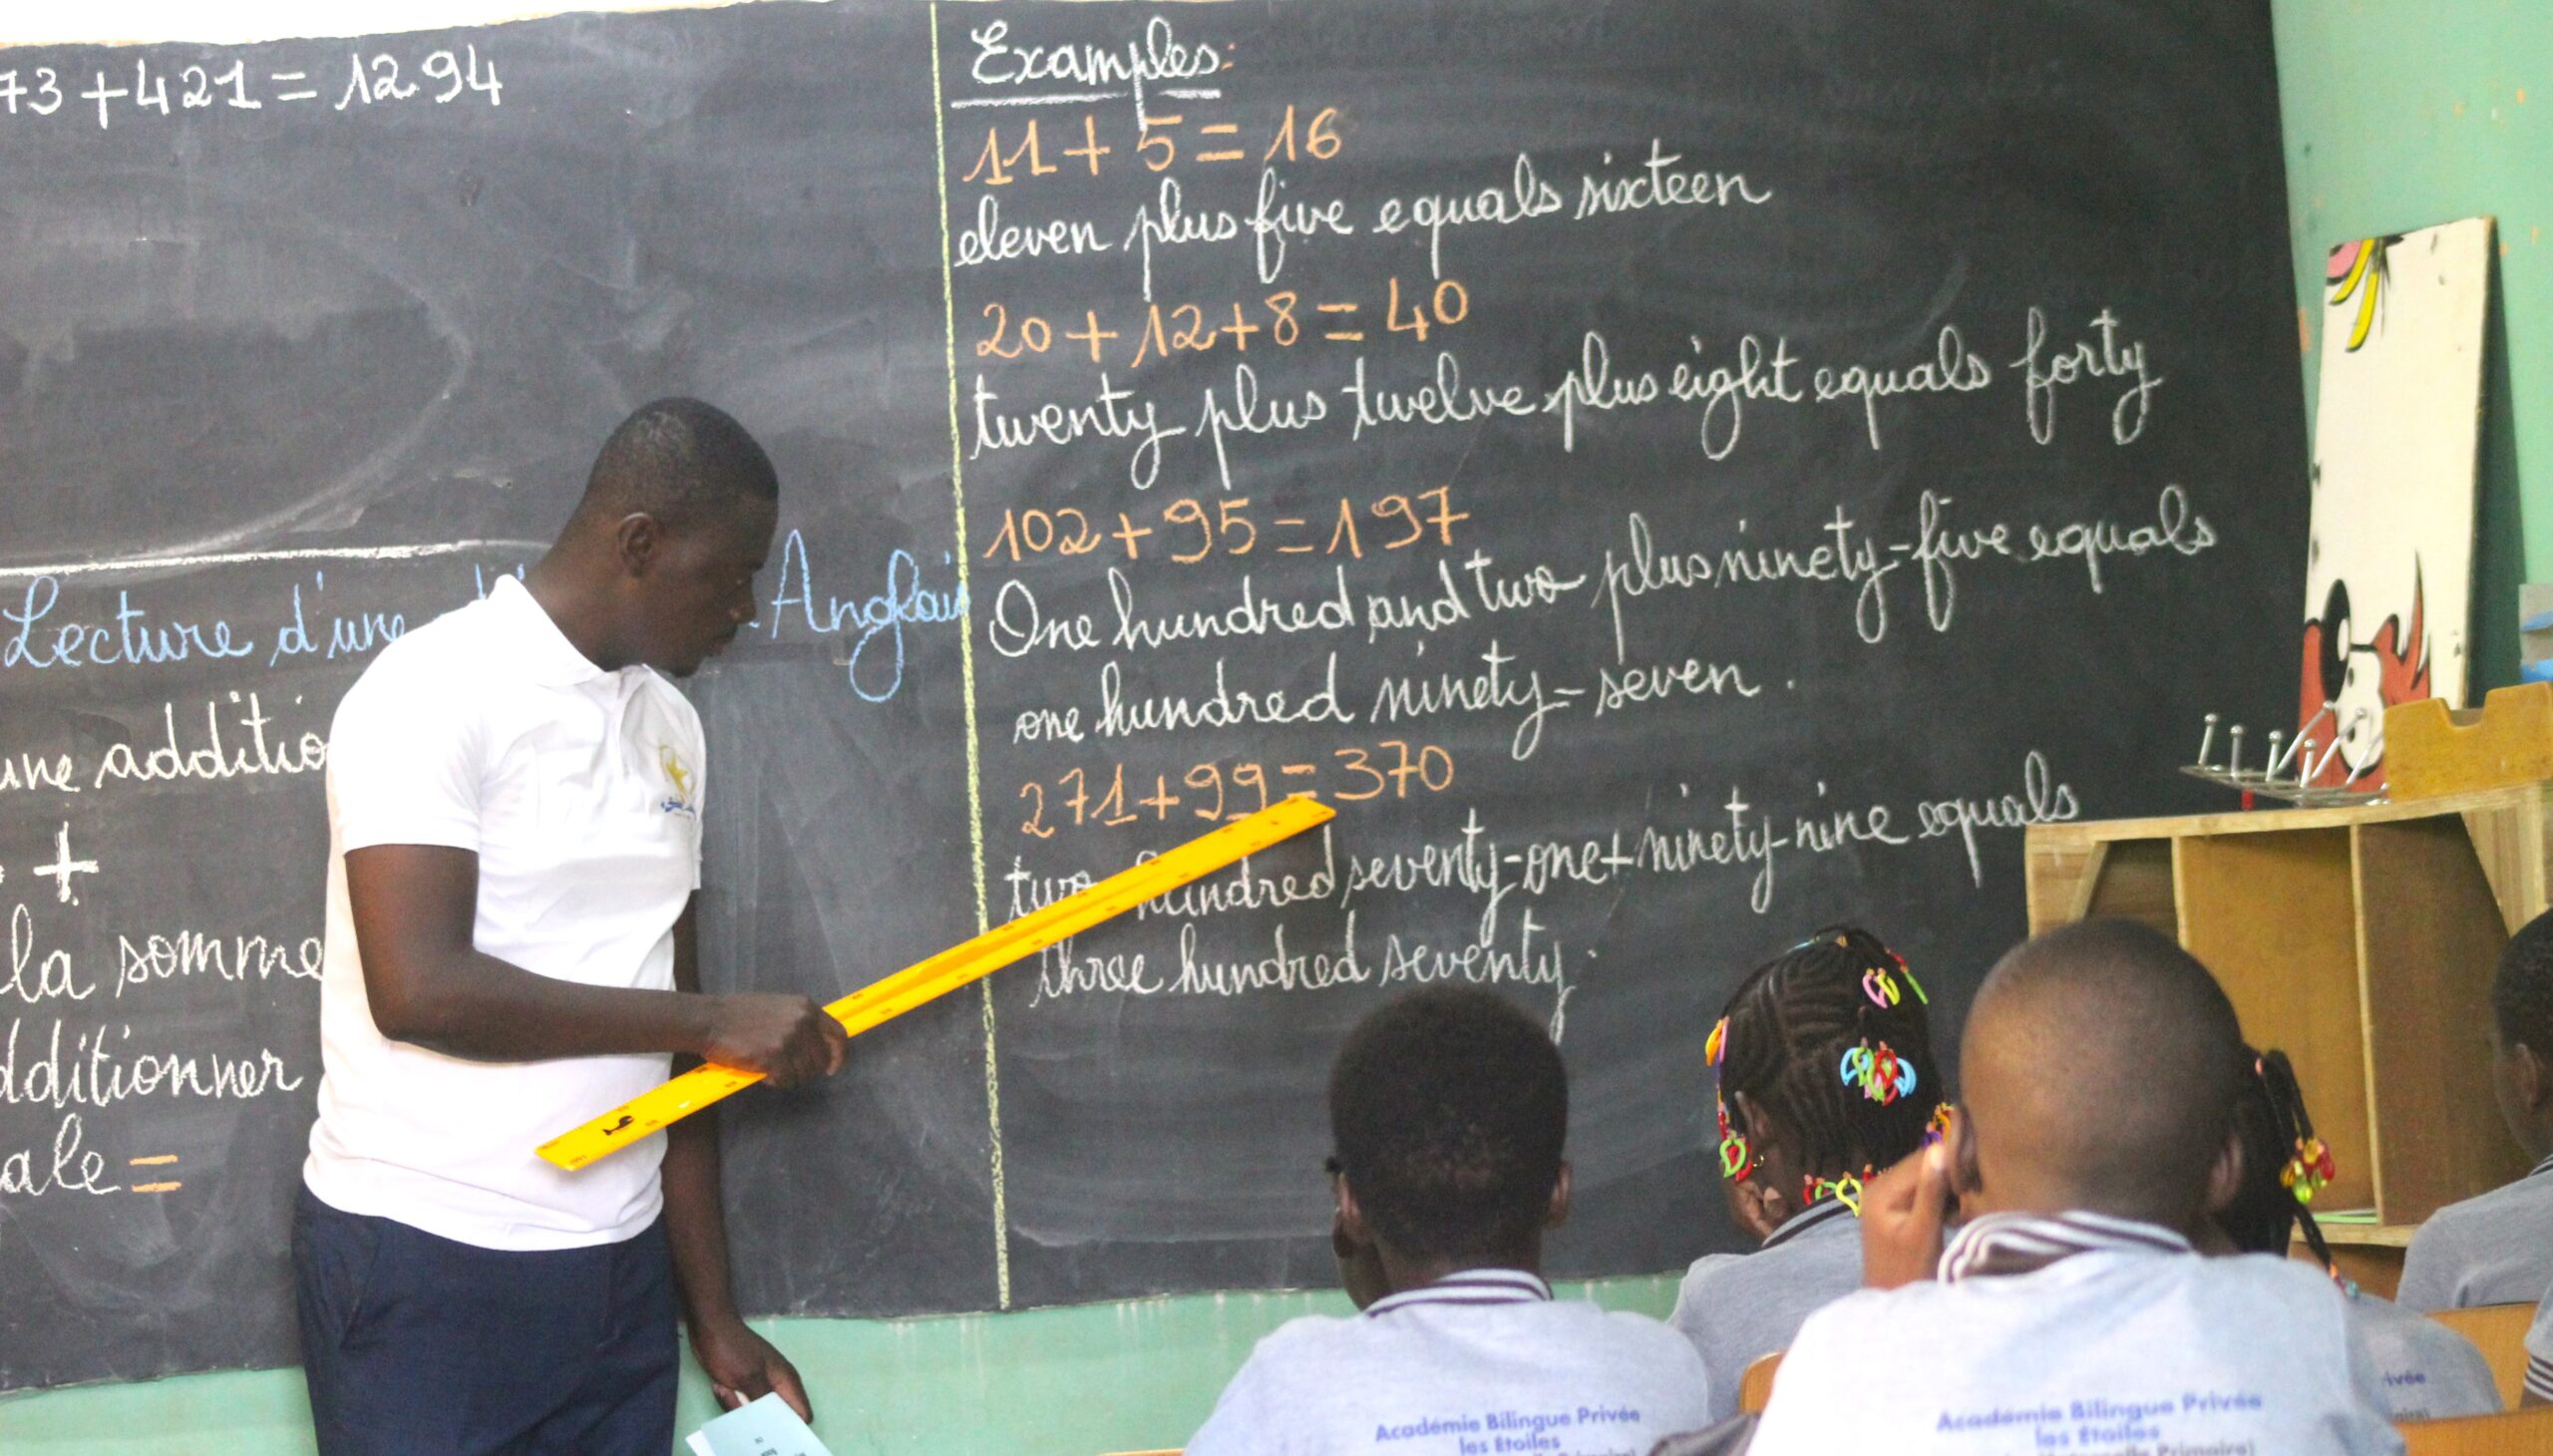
[[966, 668]]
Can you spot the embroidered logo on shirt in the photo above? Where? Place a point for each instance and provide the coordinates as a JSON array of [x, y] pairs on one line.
[[680, 802]]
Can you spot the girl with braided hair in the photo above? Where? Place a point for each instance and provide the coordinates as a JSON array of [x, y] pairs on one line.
[[2426, 1370], [1825, 1068]]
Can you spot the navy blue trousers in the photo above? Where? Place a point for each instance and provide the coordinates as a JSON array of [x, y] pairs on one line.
[[417, 1346]]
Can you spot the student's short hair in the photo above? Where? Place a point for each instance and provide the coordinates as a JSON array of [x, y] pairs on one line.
[[2270, 1122], [2522, 993], [1447, 1109], [1788, 1029], [2142, 1041], [676, 460]]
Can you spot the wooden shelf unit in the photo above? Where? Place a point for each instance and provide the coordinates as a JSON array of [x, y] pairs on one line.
[[2361, 941]]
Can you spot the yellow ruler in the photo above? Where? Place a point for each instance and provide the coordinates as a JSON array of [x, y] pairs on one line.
[[959, 965]]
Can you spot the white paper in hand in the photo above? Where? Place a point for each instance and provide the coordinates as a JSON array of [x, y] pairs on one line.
[[765, 1427]]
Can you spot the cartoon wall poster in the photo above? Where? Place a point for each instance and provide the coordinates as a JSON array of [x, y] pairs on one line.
[[2388, 575]]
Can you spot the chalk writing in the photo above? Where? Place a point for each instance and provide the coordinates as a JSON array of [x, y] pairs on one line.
[[155, 86], [875, 624], [1660, 504]]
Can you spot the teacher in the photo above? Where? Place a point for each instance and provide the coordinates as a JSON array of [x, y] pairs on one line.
[[513, 859]]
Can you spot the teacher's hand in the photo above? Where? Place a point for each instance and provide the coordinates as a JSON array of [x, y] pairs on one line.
[[743, 1366], [789, 1040]]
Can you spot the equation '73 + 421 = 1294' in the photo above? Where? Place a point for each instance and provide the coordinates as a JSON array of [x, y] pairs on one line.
[[168, 88]]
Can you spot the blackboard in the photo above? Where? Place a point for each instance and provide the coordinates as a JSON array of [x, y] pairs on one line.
[[1673, 474]]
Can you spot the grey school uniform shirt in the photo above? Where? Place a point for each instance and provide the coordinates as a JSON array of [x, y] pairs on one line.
[[2493, 1250], [2084, 1334], [2425, 1371], [1738, 1307], [1483, 1360]]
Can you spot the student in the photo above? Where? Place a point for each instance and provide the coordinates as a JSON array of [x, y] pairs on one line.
[[2426, 1370], [1801, 1118], [1447, 1109], [2498, 1249], [2099, 1072]]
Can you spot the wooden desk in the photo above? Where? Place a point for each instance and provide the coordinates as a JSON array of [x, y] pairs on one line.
[[2499, 1332]]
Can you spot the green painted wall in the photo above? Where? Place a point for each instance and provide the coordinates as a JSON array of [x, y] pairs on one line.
[[2400, 114], [1076, 1382]]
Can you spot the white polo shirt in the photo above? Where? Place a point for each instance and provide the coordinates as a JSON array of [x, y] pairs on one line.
[[1482, 1360], [580, 792], [2084, 1334]]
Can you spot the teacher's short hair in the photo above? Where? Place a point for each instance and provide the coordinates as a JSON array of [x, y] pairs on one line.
[[677, 459]]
